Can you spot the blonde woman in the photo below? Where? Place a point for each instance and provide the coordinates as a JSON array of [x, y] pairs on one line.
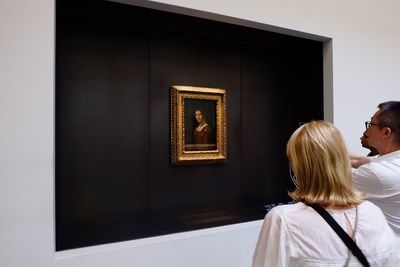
[[296, 235]]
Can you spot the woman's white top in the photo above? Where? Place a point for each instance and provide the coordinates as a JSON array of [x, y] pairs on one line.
[[296, 235]]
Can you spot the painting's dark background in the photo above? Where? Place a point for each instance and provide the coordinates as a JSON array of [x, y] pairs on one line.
[[208, 109], [114, 67]]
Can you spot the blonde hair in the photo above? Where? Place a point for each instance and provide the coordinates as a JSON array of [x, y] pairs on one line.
[[319, 159]]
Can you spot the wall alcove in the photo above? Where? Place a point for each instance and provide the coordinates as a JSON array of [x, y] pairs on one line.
[[115, 64]]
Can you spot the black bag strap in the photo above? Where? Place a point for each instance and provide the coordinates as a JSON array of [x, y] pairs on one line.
[[342, 234]]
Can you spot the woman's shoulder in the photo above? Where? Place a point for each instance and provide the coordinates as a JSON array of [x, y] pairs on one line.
[[300, 212], [369, 206], [289, 211], [300, 207], [371, 213], [298, 219]]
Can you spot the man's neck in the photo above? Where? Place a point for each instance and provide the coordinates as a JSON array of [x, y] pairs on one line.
[[389, 149]]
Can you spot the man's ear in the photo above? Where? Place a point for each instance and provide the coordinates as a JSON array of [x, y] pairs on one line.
[[387, 132]]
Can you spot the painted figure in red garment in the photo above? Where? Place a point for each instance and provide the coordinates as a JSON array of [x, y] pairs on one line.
[[202, 131]]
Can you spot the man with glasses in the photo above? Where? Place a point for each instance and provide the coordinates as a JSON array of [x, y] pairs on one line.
[[379, 177]]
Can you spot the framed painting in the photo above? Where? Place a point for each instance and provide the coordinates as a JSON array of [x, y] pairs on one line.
[[198, 125]]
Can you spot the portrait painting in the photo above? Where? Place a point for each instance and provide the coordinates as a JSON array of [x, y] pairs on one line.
[[198, 125]]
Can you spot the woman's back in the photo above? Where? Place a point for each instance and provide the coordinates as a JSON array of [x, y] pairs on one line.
[[296, 235]]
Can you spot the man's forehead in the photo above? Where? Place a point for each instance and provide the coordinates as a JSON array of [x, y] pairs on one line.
[[376, 114]]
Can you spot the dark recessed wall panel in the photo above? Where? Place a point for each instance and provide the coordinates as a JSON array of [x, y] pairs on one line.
[[268, 117], [193, 61], [102, 131], [281, 88], [114, 68]]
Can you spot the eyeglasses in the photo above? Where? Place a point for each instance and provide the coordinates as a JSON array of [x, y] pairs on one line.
[[368, 124]]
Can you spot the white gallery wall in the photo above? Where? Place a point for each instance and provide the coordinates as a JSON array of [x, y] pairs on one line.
[[366, 64]]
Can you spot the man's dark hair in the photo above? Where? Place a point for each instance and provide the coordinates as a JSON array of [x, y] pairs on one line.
[[390, 117]]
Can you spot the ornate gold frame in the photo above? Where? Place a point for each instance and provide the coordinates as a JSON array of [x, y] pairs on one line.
[[179, 155]]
